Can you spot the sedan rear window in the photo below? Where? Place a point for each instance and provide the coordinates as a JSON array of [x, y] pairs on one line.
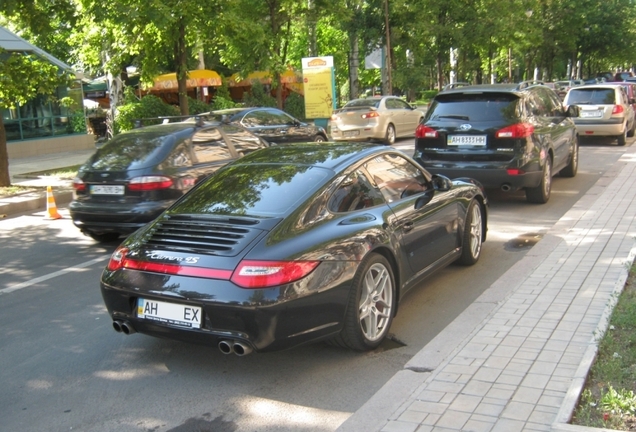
[[475, 107], [266, 190], [362, 103], [591, 97]]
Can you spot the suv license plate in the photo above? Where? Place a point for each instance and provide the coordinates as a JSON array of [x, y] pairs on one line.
[[107, 190], [473, 140], [169, 313]]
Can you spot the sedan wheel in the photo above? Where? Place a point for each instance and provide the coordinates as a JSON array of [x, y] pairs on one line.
[[389, 137], [371, 302], [473, 235]]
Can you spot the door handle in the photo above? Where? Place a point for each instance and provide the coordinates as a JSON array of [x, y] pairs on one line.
[[407, 226]]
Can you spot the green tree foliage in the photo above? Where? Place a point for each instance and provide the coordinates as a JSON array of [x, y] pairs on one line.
[[149, 107], [22, 78]]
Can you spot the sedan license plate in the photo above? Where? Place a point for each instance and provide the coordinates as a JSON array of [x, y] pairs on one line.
[[350, 133], [591, 114], [169, 313], [107, 190], [474, 140]]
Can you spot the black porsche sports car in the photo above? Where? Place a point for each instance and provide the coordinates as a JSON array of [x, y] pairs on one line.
[[294, 244]]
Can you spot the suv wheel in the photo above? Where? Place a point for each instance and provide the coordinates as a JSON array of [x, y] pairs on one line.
[[541, 193]]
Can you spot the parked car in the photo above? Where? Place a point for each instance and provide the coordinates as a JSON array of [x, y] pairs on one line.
[[271, 124], [506, 136], [605, 110], [138, 174], [562, 87], [382, 118], [622, 76], [294, 244]]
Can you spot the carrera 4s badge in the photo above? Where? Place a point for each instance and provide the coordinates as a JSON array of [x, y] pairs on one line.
[[185, 260]]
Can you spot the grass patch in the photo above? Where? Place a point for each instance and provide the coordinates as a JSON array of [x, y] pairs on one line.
[[6, 191], [608, 399]]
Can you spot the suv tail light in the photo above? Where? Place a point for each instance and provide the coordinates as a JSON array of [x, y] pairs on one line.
[[425, 132], [264, 274], [618, 109], [79, 185], [371, 114], [148, 183], [517, 130]]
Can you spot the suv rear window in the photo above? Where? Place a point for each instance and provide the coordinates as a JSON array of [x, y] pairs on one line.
[[475, 107], [591, 97]]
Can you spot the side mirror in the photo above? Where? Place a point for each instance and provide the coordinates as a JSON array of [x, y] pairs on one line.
[[572, 111], [441, 183]]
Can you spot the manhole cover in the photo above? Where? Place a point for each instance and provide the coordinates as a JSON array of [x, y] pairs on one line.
[[524, 241]]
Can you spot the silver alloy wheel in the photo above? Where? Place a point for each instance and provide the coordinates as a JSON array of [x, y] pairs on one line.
[[376, 302], [390, 135], [547, 177], [475, 231]]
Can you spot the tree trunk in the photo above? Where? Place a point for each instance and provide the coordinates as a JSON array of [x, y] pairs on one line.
[[440, 72], [115, 97], [5, 178], [180, 56], [354, 66]]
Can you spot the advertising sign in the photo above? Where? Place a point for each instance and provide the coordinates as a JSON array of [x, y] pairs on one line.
[[318, 83]]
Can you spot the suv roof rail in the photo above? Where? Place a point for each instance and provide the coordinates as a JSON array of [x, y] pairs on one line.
[[528, 83]]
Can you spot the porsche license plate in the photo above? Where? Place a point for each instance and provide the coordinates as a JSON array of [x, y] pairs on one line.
[[169, 313]]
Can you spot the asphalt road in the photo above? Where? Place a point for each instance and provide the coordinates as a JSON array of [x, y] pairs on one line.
[[65, 369]]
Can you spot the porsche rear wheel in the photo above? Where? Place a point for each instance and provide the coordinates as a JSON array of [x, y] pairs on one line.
[[371, 305]]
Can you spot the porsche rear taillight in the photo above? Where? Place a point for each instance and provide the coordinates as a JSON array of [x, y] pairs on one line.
[[517, 130], [149, 183], [618, 109], [425, 132], [265, 274], [79, 185], [116, 261]]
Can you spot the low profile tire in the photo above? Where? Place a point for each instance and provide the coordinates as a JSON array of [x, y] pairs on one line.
[[371, 305], [104, 237], [541, 193], [319, 138], [622, 139], [473, 235], [571, 169], [389, 137]]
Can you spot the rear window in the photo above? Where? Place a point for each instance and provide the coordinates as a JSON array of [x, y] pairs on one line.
[[141, 148], [591, 97], [249, 190], [362, 103], [475, 107]]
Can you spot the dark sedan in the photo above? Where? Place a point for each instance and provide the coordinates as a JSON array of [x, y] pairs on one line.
[[138, 174], [291, 245], [271, 124]]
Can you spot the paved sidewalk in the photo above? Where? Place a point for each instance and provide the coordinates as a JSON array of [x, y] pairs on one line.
[[524, 352]]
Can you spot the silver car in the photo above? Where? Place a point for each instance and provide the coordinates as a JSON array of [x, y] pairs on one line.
[[604, 110], [383, 118]]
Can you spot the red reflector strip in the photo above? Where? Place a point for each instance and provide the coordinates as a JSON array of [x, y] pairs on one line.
[[175, 269], [515, 171]]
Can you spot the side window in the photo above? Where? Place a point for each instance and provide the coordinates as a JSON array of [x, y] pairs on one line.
[[208, 145], [355, 193], [180, 156], [244, 141], [400, 104], [279, 118], [256, 118], [398, 178], [552, 103]]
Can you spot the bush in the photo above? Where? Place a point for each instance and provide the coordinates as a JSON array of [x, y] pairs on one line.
[[258, 96], [295, 105], [149, 106], [195, 106]]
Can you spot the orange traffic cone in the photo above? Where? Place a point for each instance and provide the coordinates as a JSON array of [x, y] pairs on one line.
[[51, 208]]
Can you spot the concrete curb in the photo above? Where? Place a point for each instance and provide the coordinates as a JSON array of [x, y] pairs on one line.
[[32, 201]]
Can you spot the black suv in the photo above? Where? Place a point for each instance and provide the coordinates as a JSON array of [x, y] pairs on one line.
[[506, 136]]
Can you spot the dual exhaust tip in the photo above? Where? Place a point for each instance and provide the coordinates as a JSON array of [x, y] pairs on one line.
[[225, 346], [123, 327], [234, 347]]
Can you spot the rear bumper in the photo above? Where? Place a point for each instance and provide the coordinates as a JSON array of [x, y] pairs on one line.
[[120, 218], [610, 127], [362, 133]]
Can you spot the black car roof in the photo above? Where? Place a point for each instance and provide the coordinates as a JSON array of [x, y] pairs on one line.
[[515, 88]]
